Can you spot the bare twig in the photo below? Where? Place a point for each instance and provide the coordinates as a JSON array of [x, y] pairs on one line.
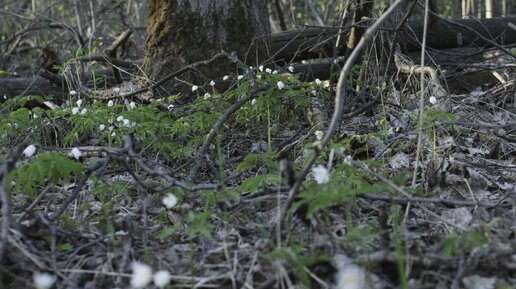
[[7, 166], [224, 117], [339, 103], [421, 96]]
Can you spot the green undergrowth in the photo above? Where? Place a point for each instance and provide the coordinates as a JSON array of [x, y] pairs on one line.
[[170, 133]]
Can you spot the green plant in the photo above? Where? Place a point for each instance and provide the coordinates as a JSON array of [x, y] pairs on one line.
[[459, 244], [47, 167]]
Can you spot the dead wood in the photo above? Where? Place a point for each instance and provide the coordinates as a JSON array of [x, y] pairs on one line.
[[314, 42]]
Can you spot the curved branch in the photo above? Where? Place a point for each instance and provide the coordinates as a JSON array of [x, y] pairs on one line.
[[339, 104]]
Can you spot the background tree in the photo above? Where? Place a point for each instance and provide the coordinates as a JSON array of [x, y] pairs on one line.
[[183, 32]]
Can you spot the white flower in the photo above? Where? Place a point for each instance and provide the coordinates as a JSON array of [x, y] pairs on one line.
[[102, 127], [259, 76], [212, 83], [162, 278], [281, 85], [348, 159], [170, 107], [291, 69], [194, 88], [142, 275], [170, 201], [43, 280], [268, 70], [110, 103], [433, 100], [351, 277], [314, 93], [251, 68], [253, 102], [34, 116], [76, 153], [120, 118], [73, 92], [240, 77], [132, 105], [79, 102], [319, 134], [113, 134], [275, 72], [126, 122], [321, 174], [318, 81], [226, 77], [84, 111], [116, 90], [75, 110], [207, 95], [29, 151], [111, 128], [260, 68]]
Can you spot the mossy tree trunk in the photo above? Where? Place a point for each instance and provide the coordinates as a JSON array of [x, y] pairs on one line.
[[181, 32]]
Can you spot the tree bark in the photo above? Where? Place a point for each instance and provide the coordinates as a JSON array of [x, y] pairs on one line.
[[181, 32]]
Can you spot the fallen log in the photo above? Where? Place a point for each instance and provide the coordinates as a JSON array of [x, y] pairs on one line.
[[317, 42], [18, 86]]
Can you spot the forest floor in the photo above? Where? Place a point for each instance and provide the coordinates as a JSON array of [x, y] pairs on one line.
[[130, 202]]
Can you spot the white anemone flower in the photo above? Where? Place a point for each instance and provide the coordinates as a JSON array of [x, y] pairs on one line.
[[194, 88], [75, 153], [212, 83], [321, 174], [351, 277], [281, 85], [141, 276], [319, 134], [318, 81], [162, 278], [170, 201], [110, 103], [226, 77], [73, 92], [433, 100], [43, 280], [79, 102], [29, 151], [75, 110]]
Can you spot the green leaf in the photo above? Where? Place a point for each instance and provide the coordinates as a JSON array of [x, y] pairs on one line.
[[253, 183], [53, 167]]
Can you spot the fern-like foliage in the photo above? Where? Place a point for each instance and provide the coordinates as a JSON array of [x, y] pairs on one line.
[[48, 167]]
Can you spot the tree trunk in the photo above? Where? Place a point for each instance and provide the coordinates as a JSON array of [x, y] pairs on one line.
[[489, 8], [181, 32]]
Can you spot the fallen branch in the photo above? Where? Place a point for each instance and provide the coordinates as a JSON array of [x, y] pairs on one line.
[[339, 104]]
